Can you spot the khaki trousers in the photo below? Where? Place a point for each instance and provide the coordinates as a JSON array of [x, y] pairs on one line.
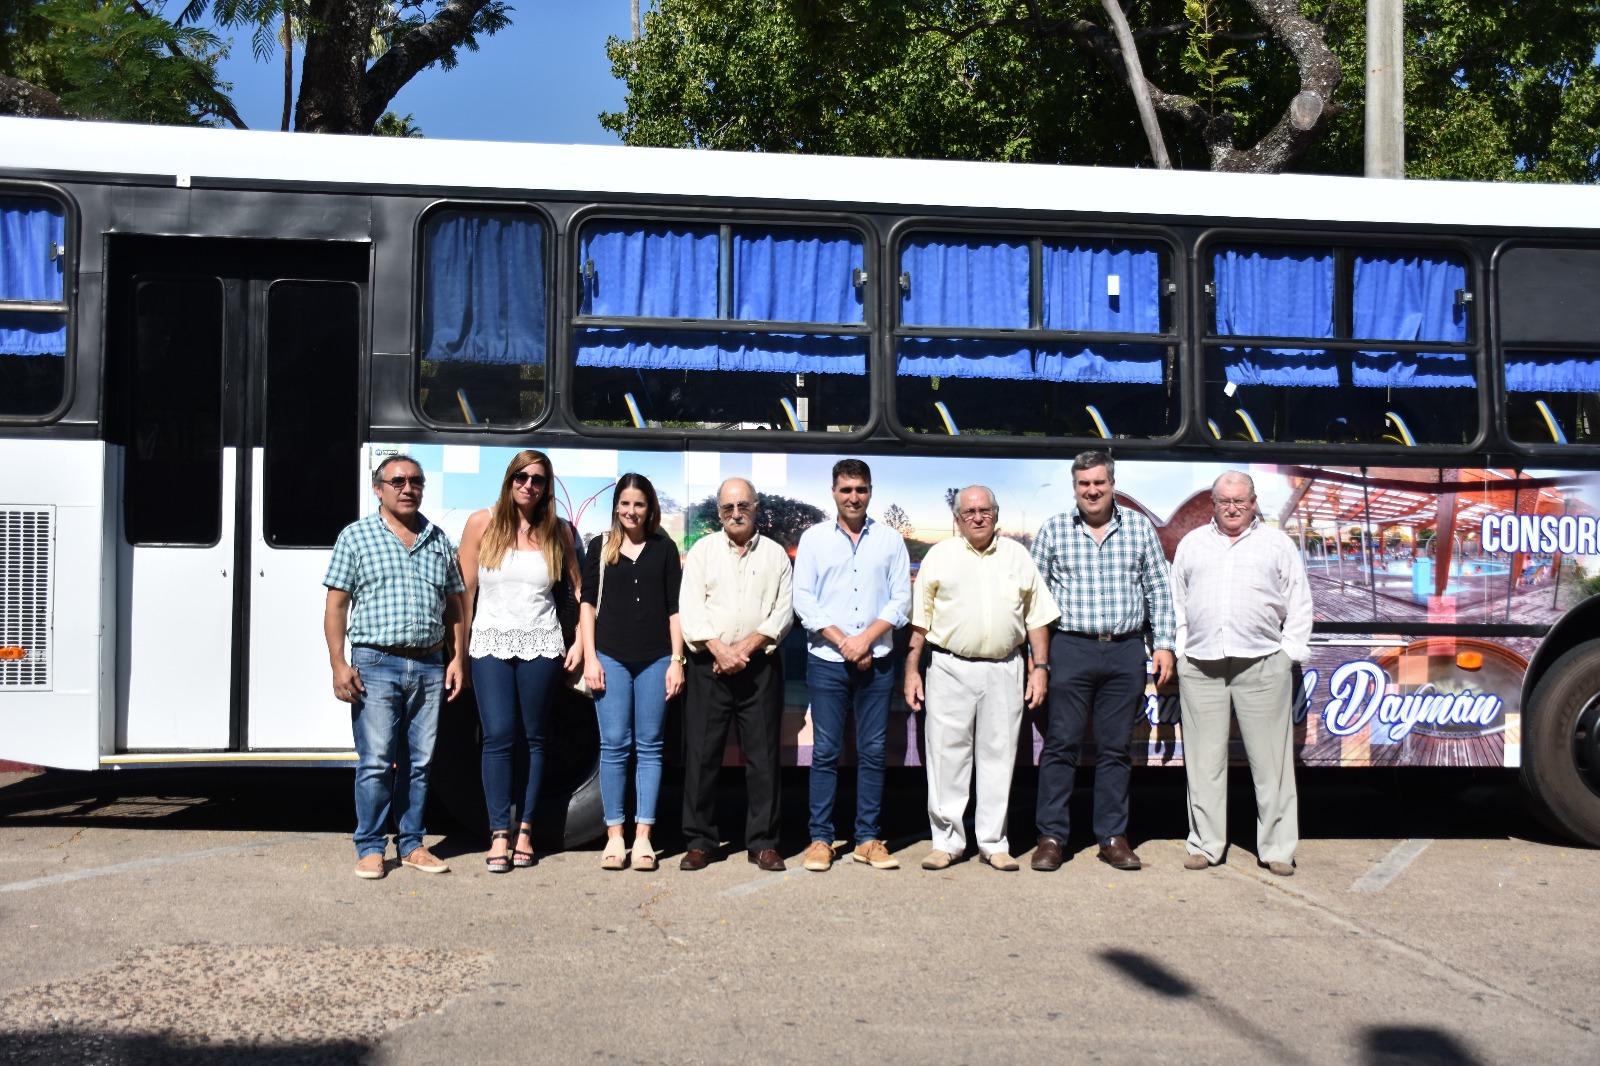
[[974, 708], [1259, 691]]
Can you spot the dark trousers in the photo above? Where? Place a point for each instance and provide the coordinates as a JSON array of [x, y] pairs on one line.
[[1104, 680], [754, 699]]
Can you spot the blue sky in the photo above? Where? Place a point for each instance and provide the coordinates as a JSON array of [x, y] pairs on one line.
[[543, 78]]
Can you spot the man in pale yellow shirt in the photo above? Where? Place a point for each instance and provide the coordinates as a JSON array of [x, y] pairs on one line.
[[735, 606], [978, 598]]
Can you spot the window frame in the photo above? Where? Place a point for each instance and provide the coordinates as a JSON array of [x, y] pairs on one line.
[[573, 321], [552, 294], [1038, 232], [67, 306], [1345, 245], [1499, 349]]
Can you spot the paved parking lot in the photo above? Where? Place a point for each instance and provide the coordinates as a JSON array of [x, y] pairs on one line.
[[213, 917]]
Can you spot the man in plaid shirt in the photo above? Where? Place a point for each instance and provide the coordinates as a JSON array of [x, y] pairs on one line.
[[395, 590], [1105, 568]]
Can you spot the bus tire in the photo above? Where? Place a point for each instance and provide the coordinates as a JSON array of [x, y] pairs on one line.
[[569, 813], [1561, 745]]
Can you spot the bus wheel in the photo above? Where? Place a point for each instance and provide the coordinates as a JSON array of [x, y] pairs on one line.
[[569, 812], [1561, 745]]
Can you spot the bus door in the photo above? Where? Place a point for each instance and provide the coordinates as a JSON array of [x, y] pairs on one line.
[[235, 402]]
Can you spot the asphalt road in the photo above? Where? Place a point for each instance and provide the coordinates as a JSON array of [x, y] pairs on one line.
[[212, 917]]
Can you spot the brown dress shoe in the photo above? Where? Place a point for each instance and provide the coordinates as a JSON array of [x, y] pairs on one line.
[[1047, 855], [1115, 852], [769, 860], [694, 859]]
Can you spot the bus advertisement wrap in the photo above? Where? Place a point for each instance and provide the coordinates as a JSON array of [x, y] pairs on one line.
[[1392, 555]]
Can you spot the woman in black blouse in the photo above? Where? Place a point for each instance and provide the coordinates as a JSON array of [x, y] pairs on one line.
[[633, 657]]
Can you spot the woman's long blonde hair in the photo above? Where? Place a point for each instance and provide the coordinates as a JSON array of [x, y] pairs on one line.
[[505, 520], [652, 515]]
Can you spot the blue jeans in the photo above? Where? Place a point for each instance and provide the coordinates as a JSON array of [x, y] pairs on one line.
[[512, 697], [836, 689], [394, 722], [633, 713]]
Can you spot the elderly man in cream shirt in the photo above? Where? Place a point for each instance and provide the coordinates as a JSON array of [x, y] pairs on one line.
[[1244, 617], [978, 599]]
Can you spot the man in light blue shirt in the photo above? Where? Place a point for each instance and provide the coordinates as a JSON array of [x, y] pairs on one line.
[[852, 590]]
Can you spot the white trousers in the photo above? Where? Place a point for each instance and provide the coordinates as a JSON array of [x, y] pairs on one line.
[[973, 707], [1259, 692]]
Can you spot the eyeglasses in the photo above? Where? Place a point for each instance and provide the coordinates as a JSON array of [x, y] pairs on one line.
[[1234, 505], [398, 483], [975, 512], [740, 506], [522, 477]]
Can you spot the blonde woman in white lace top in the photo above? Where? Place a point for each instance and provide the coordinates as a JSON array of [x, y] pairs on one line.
[[512, 557]]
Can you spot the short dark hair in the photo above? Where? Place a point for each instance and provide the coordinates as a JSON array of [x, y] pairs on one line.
[[852, 468], [1091, 459], [389, 460]]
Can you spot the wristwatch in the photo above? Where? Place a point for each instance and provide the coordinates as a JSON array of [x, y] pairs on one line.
[[679, 659], [1037, 665]]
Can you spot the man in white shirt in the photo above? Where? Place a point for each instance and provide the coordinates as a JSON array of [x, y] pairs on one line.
[[1244, 616], [735, 607]]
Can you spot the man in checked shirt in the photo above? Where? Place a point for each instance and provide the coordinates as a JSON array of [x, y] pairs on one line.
[[1104, 566], [1244, 616]]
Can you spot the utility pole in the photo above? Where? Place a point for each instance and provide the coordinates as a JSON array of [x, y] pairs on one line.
[[636, 19], [1386, 107]]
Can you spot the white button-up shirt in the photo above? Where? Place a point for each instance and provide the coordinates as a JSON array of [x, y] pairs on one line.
[[1242, 598]]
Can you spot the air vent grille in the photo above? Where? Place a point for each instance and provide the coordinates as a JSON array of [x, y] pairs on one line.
[[27, 545]]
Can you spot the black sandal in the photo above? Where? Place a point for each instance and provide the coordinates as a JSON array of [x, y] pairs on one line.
[[498, 864], [522, 859]]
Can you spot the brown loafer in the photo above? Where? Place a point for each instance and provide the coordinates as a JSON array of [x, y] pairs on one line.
[[694, 859], [1047, 855], [1116, 853], [769, 860]]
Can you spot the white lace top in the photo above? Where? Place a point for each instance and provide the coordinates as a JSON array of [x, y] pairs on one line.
[[516, 616]]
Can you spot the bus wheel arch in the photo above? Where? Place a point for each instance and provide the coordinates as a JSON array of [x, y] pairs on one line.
[[1576, 627], [569, 813], [1561, 744]]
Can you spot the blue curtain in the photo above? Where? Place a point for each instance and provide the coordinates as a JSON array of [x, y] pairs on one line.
[[1552, 372], [947, 357], [636, 349], [1122, 364], [1075, 284], [23, 333], [956, 281], [655, 270], [796, 275], [484, 288], [1280, 366], [1274, 292], [28, 227], [1413, 370], [794, 354], [1409, 298]]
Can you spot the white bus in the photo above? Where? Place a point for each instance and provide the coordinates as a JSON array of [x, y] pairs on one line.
[[208, 338]]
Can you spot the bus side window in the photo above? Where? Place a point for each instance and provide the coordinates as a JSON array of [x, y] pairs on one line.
[[33, 330], [722, 327], [1550, 326], [483, 325], [1087, 368], [1330, 384]]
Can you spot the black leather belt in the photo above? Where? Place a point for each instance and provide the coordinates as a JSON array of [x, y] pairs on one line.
[[1104, 638], [405, 651], [966, 658]]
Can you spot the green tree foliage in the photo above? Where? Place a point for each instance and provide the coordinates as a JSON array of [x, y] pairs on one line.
[[1497, 89], [780, 517], [392, 125], [109, 59]]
